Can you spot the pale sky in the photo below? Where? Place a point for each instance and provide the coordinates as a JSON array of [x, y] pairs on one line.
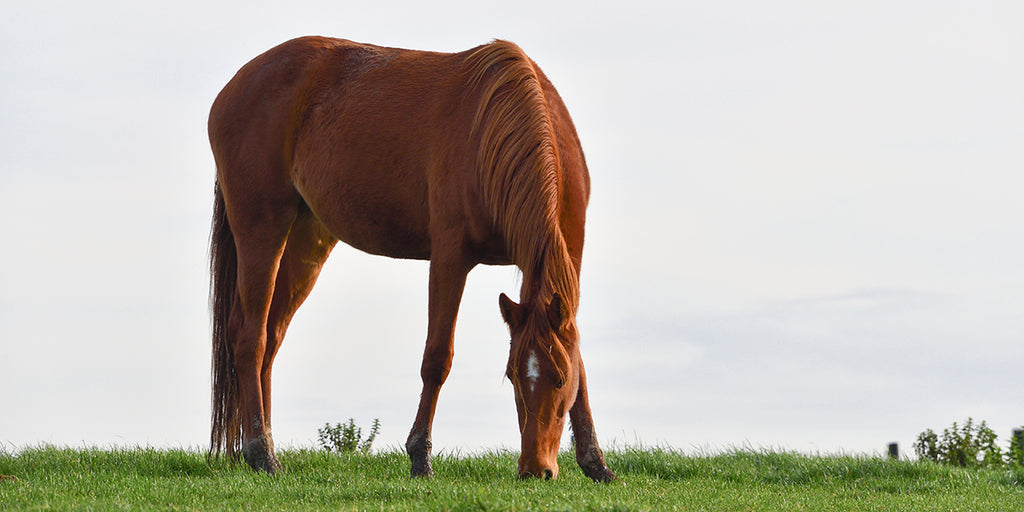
[[804, 230]]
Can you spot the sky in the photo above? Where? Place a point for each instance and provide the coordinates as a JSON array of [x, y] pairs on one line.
[[804, 230]]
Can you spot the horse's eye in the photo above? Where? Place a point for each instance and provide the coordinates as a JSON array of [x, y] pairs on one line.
[[558, 384]]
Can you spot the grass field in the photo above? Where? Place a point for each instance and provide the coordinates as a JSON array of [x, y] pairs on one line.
[[50, 478]]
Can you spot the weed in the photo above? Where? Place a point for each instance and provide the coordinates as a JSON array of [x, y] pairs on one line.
[[347, 437]]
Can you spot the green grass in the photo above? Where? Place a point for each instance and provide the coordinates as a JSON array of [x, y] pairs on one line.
[[649, 479]]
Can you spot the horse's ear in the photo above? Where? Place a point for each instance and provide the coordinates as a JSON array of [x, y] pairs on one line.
[[510, 311], [558, 313]]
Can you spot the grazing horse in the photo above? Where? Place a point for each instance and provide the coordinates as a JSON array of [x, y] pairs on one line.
[[460, 159]]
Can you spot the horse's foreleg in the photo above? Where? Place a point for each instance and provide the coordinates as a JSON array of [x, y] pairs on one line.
[[588, 454], [447, 281]]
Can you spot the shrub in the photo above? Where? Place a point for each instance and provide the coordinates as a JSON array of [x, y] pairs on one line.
[[347, 437], [966, 445]]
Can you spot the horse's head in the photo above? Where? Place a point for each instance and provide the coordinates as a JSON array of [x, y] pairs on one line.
[[543, 366]]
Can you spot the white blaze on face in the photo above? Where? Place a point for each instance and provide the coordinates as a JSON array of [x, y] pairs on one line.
[[532, 370]]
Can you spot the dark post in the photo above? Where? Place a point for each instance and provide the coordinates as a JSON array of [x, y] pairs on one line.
[[894, 450]]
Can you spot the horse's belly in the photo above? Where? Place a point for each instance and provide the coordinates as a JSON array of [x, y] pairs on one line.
[[378, 228]]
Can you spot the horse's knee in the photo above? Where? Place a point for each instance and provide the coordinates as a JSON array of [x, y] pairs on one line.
[[436, 367]]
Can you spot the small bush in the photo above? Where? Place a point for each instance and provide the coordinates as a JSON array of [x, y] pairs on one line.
[[347, 437], [967, 445]]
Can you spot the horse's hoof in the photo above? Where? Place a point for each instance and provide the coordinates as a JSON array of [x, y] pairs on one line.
[[422, 470], [259, 455], [418, 448], [598, 472]]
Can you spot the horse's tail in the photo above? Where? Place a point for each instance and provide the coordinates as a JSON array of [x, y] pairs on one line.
[[225, 431]]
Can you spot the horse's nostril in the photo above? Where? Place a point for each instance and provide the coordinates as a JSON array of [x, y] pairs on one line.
[[548, 474]]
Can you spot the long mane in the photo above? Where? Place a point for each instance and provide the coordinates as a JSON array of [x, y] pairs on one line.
[[519, 169]]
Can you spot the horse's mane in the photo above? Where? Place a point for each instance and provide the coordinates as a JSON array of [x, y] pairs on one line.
[[519, 169]]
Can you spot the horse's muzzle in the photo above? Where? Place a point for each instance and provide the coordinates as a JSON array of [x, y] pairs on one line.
[[546, 472]]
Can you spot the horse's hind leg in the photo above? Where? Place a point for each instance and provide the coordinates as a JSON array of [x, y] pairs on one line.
[[261, 230], [309, 244]]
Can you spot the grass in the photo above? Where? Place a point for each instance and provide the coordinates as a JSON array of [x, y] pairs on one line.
[[49, 478]]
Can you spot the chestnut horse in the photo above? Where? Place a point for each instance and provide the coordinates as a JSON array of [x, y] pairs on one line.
[[460, 159]]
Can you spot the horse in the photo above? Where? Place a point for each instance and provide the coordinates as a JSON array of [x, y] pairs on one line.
[[457, 158]]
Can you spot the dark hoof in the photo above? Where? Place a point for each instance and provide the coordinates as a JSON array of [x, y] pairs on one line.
[[595, 468], [259, 455], [418, 449], [422, 470], [600, 474], [591, 461]]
